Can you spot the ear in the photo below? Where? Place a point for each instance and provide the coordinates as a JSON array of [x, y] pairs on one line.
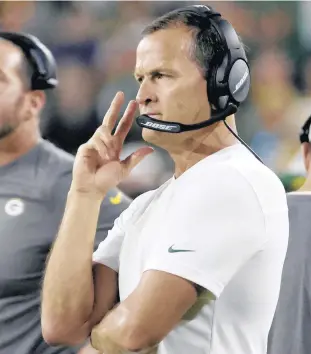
[[37, 101], [306, 154]]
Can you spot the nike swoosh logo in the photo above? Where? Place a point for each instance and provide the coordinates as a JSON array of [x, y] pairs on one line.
[[175, 250]]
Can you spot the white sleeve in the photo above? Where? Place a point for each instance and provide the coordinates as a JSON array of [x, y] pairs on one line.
[[210, 231], [108, 250]]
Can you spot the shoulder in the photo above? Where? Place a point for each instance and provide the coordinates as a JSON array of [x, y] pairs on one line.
[[51, 170], [55, 164], [55, 158], [239, 179]]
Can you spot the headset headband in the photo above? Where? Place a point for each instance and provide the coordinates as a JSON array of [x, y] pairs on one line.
[[39, 56]]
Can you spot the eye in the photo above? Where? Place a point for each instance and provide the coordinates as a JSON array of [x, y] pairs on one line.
[[139, 79], [158, 76]]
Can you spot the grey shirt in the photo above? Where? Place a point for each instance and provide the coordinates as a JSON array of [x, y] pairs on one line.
[[33, 191], [291, 329]]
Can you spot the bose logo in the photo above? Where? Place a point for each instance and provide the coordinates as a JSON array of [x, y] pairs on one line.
[[159, 126], [241, 82]]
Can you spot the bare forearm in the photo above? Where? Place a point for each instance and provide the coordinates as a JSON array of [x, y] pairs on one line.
[[68, 290], [106, 336], [118, 333]]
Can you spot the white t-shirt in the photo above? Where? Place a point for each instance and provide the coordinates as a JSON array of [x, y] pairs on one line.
[[231, 212]]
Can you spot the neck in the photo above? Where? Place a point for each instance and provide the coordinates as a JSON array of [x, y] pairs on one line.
[[203, 144], [19, 142]]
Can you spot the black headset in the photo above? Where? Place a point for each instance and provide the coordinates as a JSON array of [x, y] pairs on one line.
[[304, 134], [228, 75], [228, 78], [39, 56]]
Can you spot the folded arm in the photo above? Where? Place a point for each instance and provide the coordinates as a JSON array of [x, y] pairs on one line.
[[76, 294], [146, 316]]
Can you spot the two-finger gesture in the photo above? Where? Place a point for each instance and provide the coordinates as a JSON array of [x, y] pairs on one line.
[[97, 165]]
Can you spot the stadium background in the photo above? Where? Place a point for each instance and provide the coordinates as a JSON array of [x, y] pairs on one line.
[[94, 45]]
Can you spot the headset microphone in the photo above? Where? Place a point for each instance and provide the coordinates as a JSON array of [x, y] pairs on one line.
[[145, 121]]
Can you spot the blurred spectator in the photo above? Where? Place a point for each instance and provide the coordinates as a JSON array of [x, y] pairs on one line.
[[290, 330], [74, 120], [14, 15], [273, 96], [35, 178]]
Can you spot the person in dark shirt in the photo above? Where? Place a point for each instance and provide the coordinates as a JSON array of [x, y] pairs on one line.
[[35, 178], [291, 327]]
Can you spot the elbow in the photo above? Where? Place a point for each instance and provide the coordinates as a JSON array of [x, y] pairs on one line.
[[55, 337], [52, 338], [55, 334]]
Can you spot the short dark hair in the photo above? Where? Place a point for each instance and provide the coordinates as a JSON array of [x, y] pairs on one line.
[[207, 45]]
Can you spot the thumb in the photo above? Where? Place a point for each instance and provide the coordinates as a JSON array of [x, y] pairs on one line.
[[134, 159]]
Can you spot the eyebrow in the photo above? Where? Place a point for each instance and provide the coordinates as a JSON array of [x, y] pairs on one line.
[[154, 71]]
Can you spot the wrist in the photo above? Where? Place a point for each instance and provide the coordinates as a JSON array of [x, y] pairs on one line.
[[86, 202], [76, 193]]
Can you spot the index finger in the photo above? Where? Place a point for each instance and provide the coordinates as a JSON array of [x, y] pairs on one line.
[[126, 122], [111, 115]]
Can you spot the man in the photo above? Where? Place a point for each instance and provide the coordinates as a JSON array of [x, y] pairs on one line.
[[34, 180], [291, 327], [199, 260]]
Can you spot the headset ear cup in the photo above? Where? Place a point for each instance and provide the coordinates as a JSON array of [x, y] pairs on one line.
[[211, 87], [218, 85], [239, 80]]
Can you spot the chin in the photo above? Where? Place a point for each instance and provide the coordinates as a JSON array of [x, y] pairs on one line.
[[150, 135], [160, 139]]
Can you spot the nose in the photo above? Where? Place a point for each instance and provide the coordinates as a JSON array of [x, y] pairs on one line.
[[146, 94]]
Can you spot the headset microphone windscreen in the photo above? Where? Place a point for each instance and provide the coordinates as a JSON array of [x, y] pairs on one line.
[[144, 121]]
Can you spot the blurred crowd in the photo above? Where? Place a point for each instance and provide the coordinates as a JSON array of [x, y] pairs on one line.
[[94, 45]]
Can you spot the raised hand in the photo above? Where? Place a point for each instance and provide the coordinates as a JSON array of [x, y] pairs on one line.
[[97, 166]]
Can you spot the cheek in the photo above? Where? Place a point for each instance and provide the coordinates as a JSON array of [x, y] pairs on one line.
[[192, 98], [9, 98], [11, 103], [19, 107]]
